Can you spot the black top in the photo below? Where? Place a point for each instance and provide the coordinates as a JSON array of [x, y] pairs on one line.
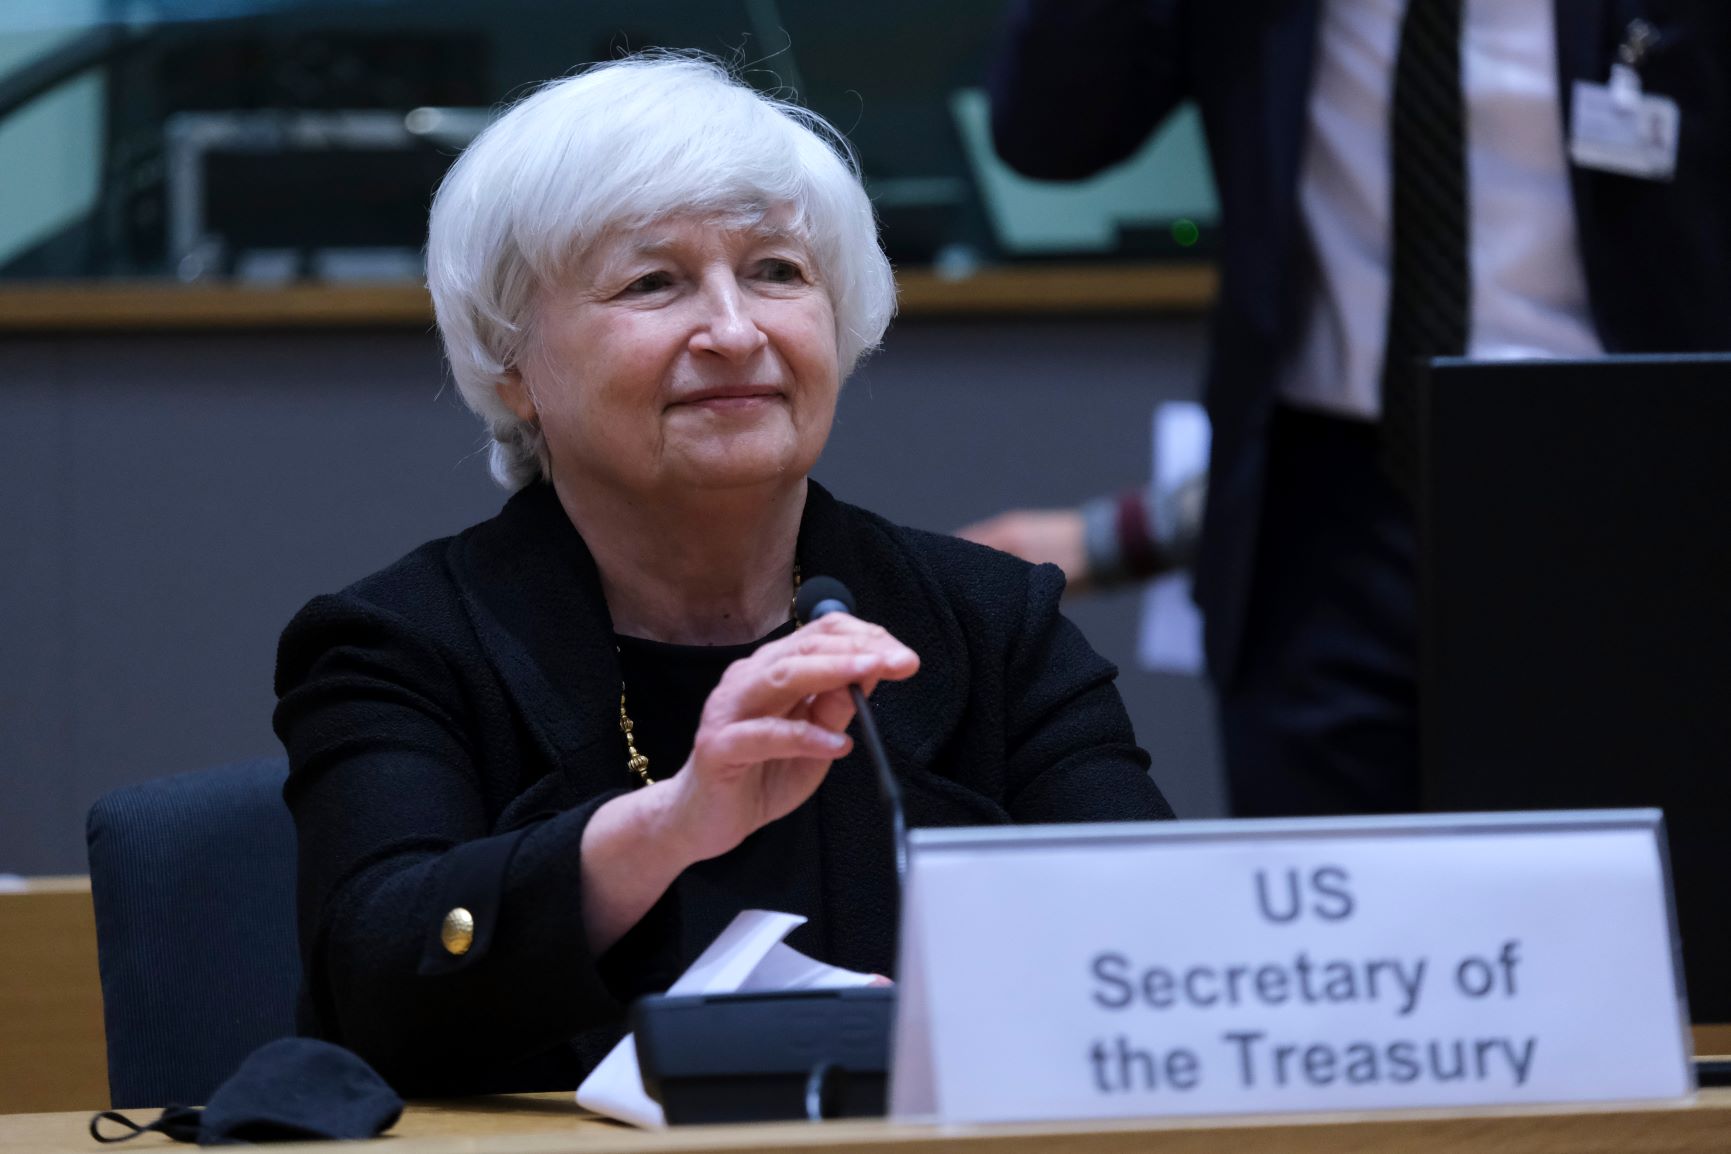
[[665, 688], [452, 722]]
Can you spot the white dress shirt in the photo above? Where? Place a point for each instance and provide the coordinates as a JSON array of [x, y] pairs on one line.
[[1529, 296]]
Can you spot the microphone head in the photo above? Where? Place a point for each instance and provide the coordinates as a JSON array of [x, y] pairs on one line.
[[819, 596]]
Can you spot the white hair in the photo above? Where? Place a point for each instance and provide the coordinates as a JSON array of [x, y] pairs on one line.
[[619, 146]]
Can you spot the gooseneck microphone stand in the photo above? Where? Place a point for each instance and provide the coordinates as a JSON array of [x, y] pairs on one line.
[[820, 597]]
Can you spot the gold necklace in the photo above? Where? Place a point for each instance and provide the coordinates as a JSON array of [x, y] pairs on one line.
[[635, 761]]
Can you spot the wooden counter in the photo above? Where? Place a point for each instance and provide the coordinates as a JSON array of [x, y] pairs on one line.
[[53, 1053], [547, 1123], [1055, 290]]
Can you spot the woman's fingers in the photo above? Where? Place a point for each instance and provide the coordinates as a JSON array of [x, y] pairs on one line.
[[774, 724], [775, 685], [840, 633], [741, 744], [837, 633], [835, 625], [833, 710]]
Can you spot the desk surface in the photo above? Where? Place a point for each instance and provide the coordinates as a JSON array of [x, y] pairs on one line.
[[547, 1123]]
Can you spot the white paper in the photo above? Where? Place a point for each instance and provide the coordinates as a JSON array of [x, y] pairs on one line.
[[1170, 639], [748, 957]]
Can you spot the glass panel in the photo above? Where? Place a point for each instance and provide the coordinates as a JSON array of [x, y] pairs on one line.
[[269, 140]]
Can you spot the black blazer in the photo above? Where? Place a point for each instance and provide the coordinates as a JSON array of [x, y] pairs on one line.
[[1081, 83], [452, 723]]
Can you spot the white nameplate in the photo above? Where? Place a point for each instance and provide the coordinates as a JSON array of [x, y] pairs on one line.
[[1329, 964]]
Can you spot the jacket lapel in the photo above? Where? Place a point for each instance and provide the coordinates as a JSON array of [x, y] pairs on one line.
[[1584, 46], [535, 599], [1288, 48], [916, 718]]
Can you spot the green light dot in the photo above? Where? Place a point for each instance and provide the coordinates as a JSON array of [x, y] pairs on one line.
[[1185, 232]]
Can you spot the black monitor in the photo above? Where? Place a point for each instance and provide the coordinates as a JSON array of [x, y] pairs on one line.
[[1575, 591]]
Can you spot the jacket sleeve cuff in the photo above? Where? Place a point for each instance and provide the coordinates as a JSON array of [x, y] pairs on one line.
[[471, 886], [644, 960], [1119, 539]]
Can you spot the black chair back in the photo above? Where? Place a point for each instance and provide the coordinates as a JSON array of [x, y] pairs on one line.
[[193, 879]]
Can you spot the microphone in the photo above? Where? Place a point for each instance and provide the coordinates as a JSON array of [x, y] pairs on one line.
[[817, 598], [820, 597]]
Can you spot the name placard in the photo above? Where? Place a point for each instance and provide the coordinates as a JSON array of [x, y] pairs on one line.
[[1250, 966]]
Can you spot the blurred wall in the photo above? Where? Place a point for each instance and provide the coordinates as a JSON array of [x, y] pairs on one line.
[[167, 502]]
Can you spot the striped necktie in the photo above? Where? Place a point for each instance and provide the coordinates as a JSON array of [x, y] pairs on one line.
[[1430, 301]]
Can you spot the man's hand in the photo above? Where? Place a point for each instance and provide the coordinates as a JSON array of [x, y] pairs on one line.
[[1038, 535]]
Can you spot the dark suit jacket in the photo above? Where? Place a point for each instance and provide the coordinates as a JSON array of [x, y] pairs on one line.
[[1081, 83], [452, 723]]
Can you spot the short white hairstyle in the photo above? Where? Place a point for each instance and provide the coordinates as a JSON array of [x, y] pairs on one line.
[[618, 146]]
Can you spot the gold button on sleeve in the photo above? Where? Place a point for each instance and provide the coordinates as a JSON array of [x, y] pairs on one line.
[[458, 931]]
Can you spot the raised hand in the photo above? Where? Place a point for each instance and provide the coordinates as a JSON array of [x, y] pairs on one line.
[[772, 727], [768, 734]]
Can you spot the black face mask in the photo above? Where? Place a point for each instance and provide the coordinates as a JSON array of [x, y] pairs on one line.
[[290, 1090]]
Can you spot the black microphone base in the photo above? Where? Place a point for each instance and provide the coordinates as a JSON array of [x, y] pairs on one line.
[[770, 1057]]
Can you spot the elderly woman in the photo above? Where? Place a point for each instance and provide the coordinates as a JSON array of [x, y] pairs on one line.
[[538, 766]]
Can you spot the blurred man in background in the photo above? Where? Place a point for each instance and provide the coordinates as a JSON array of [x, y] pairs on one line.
[[1398, 180]]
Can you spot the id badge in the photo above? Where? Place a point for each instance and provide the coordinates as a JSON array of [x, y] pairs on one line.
[[1618, 128]]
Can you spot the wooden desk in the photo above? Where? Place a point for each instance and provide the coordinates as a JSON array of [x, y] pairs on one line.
[[52, 1057], [549, 1123], [53, 1053]]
